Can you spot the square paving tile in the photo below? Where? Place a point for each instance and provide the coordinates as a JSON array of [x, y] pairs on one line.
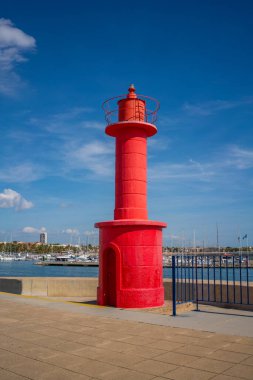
[[6, 375], [32, 369], [94, 368], [139, 340], [176, 358], [243, 348], [91, 352], [246, 340], [146, 352], [194, 350], [126, 374], [38, 353], [224, 377], [240, 371], [228, 356], [212, 342], [66, 361], [7, 359], [185, 339], [116, 346], [189, 374], [112, 335], [22, 334], [70, 347], [194, 333], [124, 359], [62, 374], [211, 365], [91, 340], [154, 367], [248, 361], [10, 344], [166, 345]]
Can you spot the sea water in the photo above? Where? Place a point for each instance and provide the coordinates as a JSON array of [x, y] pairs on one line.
[[29, 269]]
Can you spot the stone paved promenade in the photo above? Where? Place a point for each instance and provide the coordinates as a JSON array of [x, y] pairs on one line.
[[55, 340]]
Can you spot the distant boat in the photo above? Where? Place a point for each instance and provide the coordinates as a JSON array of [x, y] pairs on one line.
[[6, 259], [64, 258]]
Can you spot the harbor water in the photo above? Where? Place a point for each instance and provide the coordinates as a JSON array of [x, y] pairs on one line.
[[29, 269]]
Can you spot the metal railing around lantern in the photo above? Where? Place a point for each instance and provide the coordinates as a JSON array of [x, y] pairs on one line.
[[110, 107]]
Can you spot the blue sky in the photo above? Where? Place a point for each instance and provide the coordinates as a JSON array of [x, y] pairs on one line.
[[59, 63]]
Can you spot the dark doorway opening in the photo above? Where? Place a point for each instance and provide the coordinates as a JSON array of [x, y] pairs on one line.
[[110, 277]]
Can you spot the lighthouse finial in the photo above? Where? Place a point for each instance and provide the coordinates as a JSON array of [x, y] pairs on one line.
[[131, 91], [131, 88]]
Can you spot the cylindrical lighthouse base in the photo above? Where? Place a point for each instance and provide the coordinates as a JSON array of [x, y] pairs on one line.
[[130, 263]]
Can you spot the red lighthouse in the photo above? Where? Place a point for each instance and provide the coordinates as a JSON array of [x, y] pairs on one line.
[[130, 272]]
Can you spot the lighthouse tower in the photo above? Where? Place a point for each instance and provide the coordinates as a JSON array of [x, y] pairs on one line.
[[130, 256]]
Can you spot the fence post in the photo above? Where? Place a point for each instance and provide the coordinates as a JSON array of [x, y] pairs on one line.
[[196, 282], [174, 311]]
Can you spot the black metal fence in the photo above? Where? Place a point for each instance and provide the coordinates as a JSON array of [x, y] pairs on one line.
[[212, 279]]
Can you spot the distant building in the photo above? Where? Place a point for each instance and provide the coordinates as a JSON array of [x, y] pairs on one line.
[[43, 238]]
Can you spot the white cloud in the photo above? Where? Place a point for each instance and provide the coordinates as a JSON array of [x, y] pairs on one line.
[[71, 231], [223, 165], [65, 204], [63, 123], [240, 158], [95, 156], [11, 36], [191, 170], [25, 172], [93, 124], [10, 198], [172, 122], [159, 143], [13, 44], [71, 113], [213, 106], [90, 233], [74, 158], [173, 237], [32, 230]]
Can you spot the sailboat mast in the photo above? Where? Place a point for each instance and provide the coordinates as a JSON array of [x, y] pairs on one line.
[[217, 238]]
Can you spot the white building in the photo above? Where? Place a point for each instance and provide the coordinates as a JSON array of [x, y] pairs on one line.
[[43, 237]]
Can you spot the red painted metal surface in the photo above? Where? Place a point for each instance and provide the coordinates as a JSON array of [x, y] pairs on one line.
[[131, 108], [130, 271]]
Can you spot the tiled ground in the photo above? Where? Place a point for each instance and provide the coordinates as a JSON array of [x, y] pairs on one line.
[[43, 343]]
